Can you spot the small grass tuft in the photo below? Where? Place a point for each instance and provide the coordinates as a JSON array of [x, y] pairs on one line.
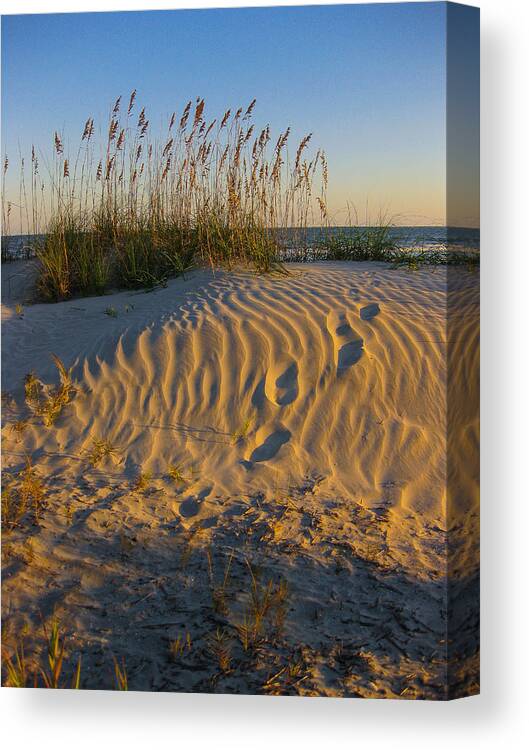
[[267, 606], [142, 481], [16, 668], [101, 449], [241, 433], [219, 590], [51, 674], [18, 428], [176, 473], [22, 493], [120, 675], [179, 646], [48, 401], [219, 647]]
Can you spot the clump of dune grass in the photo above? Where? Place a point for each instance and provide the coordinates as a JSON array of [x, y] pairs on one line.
[[132, 208], [120, 675], [286, 679], [51, 674], [176, 474], [219, 590], [219, 647], [179, 646], [21, 672], [266, 609], [142, 482], [16, 668], [375, 243], [360, 243], [22, 497], [18, 427], [241, 432], [179, 475], [48, 401], [100, 449]]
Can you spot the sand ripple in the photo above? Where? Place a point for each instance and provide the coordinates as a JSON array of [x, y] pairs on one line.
[[309, 417], [336, 370]]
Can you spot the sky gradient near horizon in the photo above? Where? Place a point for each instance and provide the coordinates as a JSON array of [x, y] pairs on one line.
[[368, 81]]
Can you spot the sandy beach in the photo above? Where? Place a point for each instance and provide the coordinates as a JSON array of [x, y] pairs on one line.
[[268, 433]]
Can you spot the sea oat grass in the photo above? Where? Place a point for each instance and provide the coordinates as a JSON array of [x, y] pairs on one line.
[[131, 209]]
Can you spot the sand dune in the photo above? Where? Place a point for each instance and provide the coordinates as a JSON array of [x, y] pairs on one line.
[[312, 407]]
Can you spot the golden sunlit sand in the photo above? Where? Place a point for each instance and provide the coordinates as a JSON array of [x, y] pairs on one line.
[[247, 490]]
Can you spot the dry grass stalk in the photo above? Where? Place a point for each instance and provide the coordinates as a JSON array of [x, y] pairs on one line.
[[22, 494], [48, 401], [101, 448]]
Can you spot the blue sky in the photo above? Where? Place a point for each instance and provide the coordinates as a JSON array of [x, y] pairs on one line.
[[367, 80]]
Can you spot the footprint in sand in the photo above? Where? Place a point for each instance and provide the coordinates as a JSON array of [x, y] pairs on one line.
[[349, 352], [271, 445], [203, 494], [344, 329], [189, 507], [280, 383], [259, 394], [287, 386], [369, 311]]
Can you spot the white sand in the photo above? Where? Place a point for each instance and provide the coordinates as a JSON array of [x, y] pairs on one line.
[[338, 485]]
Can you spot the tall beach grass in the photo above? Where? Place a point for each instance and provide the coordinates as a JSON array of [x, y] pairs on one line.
[[130, 209]]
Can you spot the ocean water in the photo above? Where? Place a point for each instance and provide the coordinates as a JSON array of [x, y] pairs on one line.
[[428, 237], [423, 238]]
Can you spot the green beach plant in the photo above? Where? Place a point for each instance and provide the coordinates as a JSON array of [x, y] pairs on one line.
[[51, 674], [18, 671], [16, 668]]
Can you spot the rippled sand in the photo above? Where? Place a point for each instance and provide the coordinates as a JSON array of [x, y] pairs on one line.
[[308, 415]]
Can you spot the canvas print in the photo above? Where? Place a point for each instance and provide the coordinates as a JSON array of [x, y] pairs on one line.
[[240, 351]]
